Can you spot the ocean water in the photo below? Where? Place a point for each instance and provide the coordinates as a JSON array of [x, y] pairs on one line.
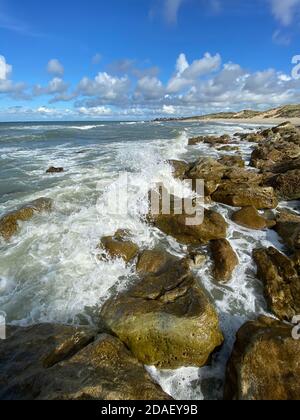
[[49, 272]]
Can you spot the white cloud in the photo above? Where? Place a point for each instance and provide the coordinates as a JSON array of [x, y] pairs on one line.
[[169, 109], [106, 87], [188, 73], [171, 9], [5, 69], [55, 67], [95, 111], [284, 10], [55, 86], [149, 88]]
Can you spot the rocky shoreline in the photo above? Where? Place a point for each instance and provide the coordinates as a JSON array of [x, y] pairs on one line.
[[166, 318]]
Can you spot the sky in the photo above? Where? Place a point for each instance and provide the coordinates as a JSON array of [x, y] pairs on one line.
[[141, 59]]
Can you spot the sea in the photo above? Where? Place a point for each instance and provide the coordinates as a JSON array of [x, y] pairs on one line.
[[50, 272]]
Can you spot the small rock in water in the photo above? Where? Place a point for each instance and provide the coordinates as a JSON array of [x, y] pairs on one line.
[[53, 170], [119, 246], [225, 260], [250, 218]]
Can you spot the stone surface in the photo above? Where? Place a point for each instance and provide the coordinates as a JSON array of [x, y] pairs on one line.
[[9, 223], [165, 319], [286, 185], [281, 282], [225, 260], [180, 168], [119, 246], [288, 228], [212, 140], [53, 170], [232, 161], [264, 364], [56, 362], [246, 195], [250, 218]]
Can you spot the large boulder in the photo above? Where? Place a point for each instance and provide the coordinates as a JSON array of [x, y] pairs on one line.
[[209, 170], [9, 223], [268, 154], [243, 195], [213, 226], [264, 364], [281, 282], [165, 319], [250, 218], [286, 185], [119, 246], [232, 161], [225, 260], [57, 362], [288, 228]]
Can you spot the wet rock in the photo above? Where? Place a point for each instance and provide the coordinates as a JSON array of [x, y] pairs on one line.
[[212, 140], [286, 185], [210, 171], [288, 228], [281, 282], [153, 261], [9, 223], [119, 246], [56, 362], [180, 168], [250, 218], [165, 319], [53, 170], [242, 176], [236, 195], [212, 226], [195, 260], [264, 364], [225, 260], [232, 161], [229, 148]]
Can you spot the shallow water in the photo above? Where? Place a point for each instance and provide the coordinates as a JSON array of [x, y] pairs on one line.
[[49, 271]]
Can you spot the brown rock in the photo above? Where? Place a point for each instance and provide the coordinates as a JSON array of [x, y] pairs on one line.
[[9, 223], [119, 246], [281, 281], [244, 196], [153, 261], [180, 168], [212, 140], [287, 185], [225, 260], [250, 218], [288, 228], [166, 319], [53, 170], [264, 364], [232, 161], [56, 362]]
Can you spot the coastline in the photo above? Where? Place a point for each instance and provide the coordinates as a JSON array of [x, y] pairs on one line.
[[272, 121]]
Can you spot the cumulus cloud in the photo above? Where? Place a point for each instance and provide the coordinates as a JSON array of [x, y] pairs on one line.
[[55, 86], [106, 87], [5, 69], [149, 88], [188, 73], [284, 10], [55, 67]]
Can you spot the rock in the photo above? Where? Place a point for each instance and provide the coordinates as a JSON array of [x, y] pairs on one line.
[[212, 227], [242, 176], [119, 246], [285, 166], [57, 362], [153, 261], [210, 171], [288, 228], [53, 170], [195, 260], [286, 185], [246, 195], [9, 222], [212, 140], [229, 148], [264, 364], [250, 218], [232, 161], [281, 281], [225, 260], [180, 168], [165, 319], [268, 154]]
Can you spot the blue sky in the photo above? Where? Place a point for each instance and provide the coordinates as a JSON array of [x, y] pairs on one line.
[[137, 59]]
